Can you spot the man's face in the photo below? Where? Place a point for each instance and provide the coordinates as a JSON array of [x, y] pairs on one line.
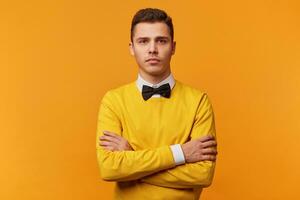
[[152, 48]]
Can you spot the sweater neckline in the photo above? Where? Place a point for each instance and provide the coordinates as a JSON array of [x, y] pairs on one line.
[[139, 94]]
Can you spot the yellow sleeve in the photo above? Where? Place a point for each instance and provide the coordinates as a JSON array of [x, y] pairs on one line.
[[191, 175], [126, 165]]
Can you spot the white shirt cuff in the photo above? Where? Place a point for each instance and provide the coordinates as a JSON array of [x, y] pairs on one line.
[[178, 154]]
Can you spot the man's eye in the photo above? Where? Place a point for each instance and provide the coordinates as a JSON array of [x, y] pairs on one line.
[[142, 41], [162, 41]]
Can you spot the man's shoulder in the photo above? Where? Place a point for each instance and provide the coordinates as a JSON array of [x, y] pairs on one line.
[[189, 90], [119, 91], [122, 88], [194, 96]]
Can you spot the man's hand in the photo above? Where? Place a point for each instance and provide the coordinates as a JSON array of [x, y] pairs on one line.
[[113, 142], [200, 149]]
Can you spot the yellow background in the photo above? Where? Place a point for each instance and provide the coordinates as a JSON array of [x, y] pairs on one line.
[[58, 58]]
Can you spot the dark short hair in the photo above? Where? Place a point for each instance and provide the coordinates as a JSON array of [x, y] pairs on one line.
[[152, 15]]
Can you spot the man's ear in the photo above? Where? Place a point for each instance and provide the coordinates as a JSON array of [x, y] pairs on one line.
[[173, 47], [131, 48]]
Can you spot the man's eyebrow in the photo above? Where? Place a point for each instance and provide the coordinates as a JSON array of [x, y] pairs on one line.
[[162, 37], [140, 38], [158, 37]]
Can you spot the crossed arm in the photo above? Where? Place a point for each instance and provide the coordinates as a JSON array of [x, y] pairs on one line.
[[183, 176], [118, 161]]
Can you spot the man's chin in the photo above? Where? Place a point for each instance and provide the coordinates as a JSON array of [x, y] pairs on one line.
[[154, 69], [155, 72]]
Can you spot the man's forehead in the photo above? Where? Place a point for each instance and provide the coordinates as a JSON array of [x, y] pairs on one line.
[[151, 29]]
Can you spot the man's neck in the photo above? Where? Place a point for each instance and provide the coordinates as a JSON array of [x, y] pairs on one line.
[[154, 79]]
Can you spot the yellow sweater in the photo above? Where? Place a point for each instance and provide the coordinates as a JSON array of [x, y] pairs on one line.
[[149, 172]]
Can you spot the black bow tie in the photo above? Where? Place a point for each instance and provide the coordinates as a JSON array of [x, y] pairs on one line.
[[164, 90]]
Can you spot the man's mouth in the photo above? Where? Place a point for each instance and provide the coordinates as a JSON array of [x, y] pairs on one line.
[[153, 60]]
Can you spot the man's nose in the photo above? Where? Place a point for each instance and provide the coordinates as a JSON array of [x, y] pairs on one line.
[[152, 48]]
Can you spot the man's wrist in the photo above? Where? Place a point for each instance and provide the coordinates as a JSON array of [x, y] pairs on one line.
[[178, 154]]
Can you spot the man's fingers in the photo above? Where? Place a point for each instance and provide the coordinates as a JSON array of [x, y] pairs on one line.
[[110, 146], [210, 151], [109, 138], [209, 143], [209, 157], [111, 134], [106, 143], [206, 138]]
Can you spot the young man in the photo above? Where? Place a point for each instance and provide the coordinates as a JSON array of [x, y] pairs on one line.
[[156, 136]]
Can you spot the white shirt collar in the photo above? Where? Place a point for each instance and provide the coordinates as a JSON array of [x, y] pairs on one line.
[[140, 82]]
